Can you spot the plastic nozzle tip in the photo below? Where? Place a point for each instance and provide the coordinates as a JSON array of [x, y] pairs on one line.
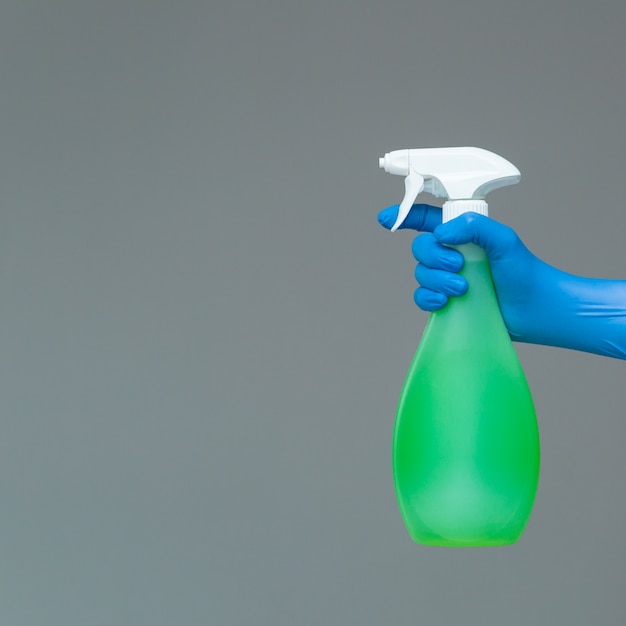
[[381, 163]]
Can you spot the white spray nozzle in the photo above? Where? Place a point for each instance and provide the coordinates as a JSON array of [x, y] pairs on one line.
[[453, 173]]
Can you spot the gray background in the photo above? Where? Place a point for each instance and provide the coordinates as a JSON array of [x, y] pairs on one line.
[[204, 331]]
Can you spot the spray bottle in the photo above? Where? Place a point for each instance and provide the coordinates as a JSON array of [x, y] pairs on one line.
[[466, 442]]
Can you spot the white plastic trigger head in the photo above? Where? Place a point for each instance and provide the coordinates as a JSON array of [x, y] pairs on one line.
[[413, 185]]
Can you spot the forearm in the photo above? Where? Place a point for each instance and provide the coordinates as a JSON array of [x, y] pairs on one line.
[[578, 313]]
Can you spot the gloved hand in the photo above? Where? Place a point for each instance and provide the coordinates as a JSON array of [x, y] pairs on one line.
[[539, 303]]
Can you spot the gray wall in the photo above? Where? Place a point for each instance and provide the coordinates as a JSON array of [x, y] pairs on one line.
[[204, 331]]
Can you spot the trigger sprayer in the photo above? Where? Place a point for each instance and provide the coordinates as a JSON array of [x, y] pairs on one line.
[[459, 174], [466, 442]]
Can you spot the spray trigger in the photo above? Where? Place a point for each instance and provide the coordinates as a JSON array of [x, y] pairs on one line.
[[413, 185]]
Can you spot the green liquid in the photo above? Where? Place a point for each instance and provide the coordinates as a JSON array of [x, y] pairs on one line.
[[466, 442]]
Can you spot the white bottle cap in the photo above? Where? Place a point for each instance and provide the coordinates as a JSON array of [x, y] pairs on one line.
[[454, 208]]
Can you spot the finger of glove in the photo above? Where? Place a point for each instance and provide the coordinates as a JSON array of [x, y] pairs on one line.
[[428, 300], [497, 239], [446, 283], [427, 250], [422, 217]]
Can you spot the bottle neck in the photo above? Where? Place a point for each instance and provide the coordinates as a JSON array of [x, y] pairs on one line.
[[454, 208], [474, 316]]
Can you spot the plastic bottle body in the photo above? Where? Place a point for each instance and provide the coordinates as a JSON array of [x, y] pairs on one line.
[[466, 441]]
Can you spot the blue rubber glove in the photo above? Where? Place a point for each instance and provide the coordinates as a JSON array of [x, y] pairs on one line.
[[539, 303]]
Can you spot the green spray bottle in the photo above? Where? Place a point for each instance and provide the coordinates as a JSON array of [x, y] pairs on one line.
[[466, 442]]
